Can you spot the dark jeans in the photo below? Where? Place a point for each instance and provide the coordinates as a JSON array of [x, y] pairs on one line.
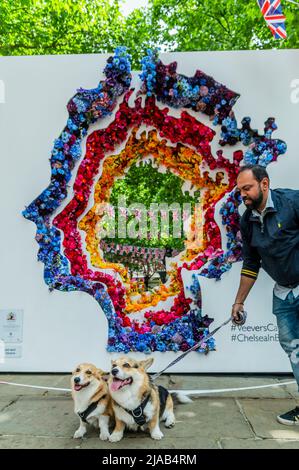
[[287, 315]]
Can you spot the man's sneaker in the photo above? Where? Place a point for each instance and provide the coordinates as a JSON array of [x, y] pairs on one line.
[[291, 418]]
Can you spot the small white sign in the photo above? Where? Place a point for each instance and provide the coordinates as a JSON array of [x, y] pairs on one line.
[[11, 326], [13, 351]]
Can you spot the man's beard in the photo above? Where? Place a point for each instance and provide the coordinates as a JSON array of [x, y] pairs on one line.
[[254, 203]]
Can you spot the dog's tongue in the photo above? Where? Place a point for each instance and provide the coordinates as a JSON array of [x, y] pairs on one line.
[[117, 384]]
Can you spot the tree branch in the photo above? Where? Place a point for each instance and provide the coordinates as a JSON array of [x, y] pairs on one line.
[[218, 21]]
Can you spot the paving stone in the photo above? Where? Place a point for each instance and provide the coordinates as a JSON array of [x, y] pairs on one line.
[[291, 389], [27, 442], [262, 417], [146, 442], [210, 418], [6, 402], [259, 444], [40, 416]]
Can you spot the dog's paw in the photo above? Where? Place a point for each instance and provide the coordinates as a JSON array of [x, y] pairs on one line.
[[157, 435], [104, 435], [79, 434], [115, 437], [170, 424]]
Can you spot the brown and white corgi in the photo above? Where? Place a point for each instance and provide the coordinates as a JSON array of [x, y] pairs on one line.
[[92, 402], [136, 401]]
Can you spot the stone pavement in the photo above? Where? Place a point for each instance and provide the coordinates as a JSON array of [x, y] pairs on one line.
[[40, 419]]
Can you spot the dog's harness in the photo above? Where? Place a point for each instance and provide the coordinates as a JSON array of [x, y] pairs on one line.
[[84, 414], [138, 413]]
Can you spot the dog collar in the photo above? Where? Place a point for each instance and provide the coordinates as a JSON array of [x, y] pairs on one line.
[[84, 414], [138, 413]]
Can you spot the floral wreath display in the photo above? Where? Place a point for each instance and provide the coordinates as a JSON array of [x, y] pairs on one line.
[[68, 240]]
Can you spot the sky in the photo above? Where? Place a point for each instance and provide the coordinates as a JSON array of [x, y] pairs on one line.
[[129, 5]]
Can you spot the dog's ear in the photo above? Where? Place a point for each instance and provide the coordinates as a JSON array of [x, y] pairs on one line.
[[147, 363]]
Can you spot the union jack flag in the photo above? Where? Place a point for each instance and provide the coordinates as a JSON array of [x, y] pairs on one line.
[[272, 12]]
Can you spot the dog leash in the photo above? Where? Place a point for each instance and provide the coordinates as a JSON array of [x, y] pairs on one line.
[[241, 320]]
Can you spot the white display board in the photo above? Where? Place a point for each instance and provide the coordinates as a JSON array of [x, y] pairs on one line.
[[61, 329]]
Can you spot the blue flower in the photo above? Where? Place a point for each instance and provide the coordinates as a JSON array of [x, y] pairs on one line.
[[161, 346]]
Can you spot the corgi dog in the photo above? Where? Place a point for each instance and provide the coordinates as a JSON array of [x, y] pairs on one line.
[[92, 402], [136, 401]]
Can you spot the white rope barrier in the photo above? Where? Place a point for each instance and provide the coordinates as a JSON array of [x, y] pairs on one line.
[[185, 392], [35, 386], [222, 390]]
